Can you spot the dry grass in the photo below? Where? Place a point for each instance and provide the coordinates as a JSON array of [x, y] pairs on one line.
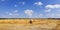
[[23, 24]]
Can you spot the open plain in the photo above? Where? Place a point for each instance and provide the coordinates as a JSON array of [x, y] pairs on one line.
[[24, 24]]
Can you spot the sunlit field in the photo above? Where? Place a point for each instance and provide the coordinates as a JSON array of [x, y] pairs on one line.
[[24, 24]]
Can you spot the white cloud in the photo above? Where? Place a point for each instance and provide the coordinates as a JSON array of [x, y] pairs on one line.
[[28, 12], [40, 15], [53, 6], [13, 14], [10, 14], [49, 10], [15, 11], [38, 3]]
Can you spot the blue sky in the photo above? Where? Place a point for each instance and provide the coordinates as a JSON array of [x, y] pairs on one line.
[[29, 8]]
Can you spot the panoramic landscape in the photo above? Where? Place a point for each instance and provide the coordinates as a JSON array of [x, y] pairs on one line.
[[25, 24], [29, 14]]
